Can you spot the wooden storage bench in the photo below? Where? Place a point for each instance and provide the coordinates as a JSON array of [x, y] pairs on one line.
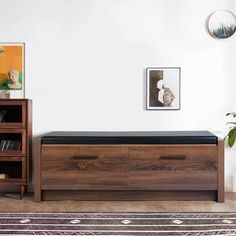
[[130, 166]]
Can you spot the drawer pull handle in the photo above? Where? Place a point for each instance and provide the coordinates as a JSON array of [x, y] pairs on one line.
[[84, 157], [173, 157]]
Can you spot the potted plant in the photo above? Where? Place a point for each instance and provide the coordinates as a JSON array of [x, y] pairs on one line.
[[231, 136]]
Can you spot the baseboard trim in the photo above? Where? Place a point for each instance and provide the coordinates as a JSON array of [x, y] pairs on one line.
[[130, 195]]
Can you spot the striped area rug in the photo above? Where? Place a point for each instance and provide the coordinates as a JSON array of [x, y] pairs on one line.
[[182, 224]]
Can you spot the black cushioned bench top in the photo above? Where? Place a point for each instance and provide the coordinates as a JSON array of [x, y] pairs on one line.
[[135, 137]]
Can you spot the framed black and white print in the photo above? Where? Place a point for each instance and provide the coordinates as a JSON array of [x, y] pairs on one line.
[[163, 88]]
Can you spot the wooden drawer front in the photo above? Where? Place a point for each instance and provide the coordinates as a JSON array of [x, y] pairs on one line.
[[134, 167], [90, 180], [170, 167], [84, 167]]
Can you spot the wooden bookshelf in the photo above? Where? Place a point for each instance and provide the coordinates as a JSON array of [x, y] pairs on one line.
[[15, 142]]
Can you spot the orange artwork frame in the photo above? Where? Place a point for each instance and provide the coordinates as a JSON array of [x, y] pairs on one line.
[[12, 70]]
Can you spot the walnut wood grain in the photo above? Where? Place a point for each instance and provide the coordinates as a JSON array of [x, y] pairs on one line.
[[85, 180], [101, 167], [173, 180], [221, 187], [180, 167], [29, 120], [129, 167], [68, 158], [37, 171]]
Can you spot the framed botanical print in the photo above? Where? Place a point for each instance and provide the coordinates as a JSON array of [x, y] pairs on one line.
[[12, 81], [163, 88]]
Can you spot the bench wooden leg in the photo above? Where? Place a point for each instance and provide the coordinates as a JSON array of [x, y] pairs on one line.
[[22, 191], [37, 173]]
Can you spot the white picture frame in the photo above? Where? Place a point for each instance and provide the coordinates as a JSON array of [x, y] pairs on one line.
[[163, 88]]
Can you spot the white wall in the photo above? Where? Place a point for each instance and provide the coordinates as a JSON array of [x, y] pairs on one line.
[[85, 62]]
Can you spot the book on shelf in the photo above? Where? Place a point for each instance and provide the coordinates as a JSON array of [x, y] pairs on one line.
[[10, 145], [3, 176], [1, 144]]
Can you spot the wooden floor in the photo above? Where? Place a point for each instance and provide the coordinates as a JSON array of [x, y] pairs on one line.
[[27, 204]]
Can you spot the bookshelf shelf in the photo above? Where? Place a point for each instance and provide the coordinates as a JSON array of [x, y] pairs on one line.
[[12, 158], [15, 142], [11, 181]]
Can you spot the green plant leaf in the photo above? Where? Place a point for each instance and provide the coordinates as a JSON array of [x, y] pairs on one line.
[[231, 113], [232, 136], [233, 123]]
